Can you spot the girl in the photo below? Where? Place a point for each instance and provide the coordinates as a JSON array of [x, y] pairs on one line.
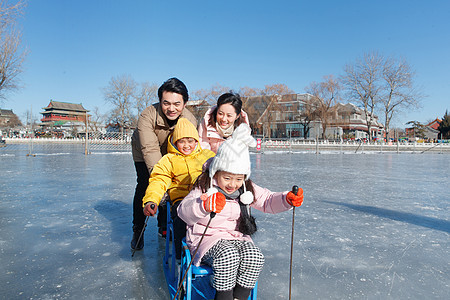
[[220, 121], [224, 188]]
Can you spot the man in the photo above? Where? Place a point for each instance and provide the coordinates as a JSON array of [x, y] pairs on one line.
[[149, 144]]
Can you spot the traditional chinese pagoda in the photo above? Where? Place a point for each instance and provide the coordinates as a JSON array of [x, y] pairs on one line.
[[59, 113]]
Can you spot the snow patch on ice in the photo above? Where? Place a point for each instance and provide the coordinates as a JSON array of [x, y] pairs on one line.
[[432, 208], [52, 154], [343, 240], [111, 153]]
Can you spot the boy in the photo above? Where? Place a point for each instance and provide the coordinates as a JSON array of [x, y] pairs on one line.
[[175, 173]]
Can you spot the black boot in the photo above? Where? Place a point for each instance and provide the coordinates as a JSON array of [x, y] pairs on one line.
[[136, 234], [224, 295], [241, 293]]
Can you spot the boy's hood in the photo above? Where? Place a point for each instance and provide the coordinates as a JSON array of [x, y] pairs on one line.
[[183, 128]]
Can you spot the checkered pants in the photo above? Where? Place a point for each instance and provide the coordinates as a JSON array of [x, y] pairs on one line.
[[234, 262]]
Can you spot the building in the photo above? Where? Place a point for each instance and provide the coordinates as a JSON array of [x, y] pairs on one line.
[[429, 131], [198, 108], [65, 117], [295, 116], [278, 116], [349, 122], [58, 113], [432, 129], [8, 119]]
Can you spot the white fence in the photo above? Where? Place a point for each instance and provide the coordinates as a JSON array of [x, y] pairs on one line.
[[96, 142], [116, 142], [354, 146]]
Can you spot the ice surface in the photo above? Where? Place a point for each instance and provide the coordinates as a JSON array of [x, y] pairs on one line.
[[371, 227]]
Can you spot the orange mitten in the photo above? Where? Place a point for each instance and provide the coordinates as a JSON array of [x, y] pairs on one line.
[[214, 203], [295, 200]]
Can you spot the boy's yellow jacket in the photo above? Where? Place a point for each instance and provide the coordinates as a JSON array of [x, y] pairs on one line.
[[176, 172]]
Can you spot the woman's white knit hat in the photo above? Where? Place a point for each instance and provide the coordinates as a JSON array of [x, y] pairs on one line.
[[233, 156]]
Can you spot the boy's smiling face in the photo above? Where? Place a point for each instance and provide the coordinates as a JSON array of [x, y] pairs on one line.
[[186, 145]]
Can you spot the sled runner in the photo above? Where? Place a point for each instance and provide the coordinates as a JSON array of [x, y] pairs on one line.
[[197, 283]]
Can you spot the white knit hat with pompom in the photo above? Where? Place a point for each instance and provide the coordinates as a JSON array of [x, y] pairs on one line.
[[233, 156]]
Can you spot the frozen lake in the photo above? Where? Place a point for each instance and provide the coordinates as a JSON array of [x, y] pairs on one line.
[[372, 226]]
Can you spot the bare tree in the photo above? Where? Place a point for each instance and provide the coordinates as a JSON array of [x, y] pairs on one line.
[[325, 96], [399, 91], [276, 89], [363, 82], [147, 95], [210, 95], [249, 92], [120, 93], [96, 119], [307, 115], [11, 55]]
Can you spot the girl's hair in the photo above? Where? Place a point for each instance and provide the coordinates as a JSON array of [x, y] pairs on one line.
[[228, 98], [204, 182]]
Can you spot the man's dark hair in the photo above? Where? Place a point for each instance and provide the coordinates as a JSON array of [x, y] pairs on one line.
[[174, 85]]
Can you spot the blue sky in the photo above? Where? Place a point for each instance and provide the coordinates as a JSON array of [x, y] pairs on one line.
[[76, 47]]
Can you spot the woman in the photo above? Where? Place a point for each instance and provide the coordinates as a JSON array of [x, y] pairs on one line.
[[220, 120]]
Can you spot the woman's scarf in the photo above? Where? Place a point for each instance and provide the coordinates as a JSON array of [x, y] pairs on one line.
[[225, 132]]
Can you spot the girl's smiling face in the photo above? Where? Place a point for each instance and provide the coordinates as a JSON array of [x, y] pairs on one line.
[[229, 182]]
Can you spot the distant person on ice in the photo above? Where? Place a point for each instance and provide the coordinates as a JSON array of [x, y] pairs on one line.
[[225, 188], [149, 144], [175, 173]]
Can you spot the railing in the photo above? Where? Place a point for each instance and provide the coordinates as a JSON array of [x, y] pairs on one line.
[[113, 141], [355, 146], [118, 142]]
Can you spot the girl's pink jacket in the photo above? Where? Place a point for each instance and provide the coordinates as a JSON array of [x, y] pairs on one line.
[[209, 136], [223, 225]]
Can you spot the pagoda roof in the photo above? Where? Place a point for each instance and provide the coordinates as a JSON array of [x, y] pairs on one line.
[[55, 105], [434, 124], [6, 112]]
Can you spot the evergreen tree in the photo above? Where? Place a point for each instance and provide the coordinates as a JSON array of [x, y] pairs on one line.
[[444, 127], [418, 130]]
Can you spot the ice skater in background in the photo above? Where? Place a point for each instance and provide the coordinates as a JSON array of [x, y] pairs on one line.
[[225, 189]]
